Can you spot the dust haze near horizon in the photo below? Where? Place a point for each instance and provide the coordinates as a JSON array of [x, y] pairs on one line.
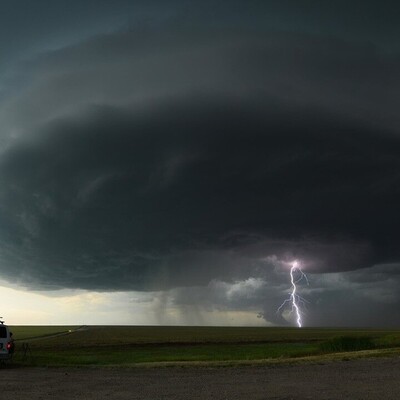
[[163, 163]]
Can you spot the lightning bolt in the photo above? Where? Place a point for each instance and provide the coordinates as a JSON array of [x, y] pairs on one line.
[[294, 298]]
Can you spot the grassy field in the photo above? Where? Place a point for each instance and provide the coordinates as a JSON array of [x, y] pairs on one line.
[[133, 345], [31, 332]]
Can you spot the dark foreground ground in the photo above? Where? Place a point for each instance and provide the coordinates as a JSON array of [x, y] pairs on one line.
[[357, 379]]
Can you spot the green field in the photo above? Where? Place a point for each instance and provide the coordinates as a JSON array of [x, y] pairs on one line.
[[135, 345]]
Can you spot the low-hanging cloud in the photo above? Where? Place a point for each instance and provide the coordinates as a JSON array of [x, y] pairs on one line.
[[363, 298]]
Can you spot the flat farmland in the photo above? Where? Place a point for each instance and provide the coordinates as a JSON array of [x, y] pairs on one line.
[[121, 362], [126, 346]]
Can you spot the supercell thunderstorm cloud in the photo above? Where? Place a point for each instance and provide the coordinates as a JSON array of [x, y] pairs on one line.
[[194, 151]]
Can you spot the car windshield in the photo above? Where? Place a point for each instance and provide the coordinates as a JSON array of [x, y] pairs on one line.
[[3, 332]]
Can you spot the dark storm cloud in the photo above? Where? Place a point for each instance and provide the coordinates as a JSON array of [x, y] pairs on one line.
[[356, 81], [197, 148], [165, 197], [140, 161]]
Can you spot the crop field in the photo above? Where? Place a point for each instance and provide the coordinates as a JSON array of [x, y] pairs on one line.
[[135, 345]]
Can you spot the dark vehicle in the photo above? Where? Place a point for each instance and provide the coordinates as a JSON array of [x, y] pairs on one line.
[[6, 342]]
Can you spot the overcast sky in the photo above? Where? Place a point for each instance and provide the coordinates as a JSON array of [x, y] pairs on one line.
[[166, 162]]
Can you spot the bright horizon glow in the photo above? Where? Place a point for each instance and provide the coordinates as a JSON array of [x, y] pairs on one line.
[[79, 307]]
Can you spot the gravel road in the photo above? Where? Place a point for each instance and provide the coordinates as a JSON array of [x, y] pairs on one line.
[[357, 379]]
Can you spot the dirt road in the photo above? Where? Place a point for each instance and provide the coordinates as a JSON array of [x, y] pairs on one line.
[[357, 379]]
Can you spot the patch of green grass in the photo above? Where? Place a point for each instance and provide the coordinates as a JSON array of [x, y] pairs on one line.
[[115, 355], [347, 343], [388, 341]]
